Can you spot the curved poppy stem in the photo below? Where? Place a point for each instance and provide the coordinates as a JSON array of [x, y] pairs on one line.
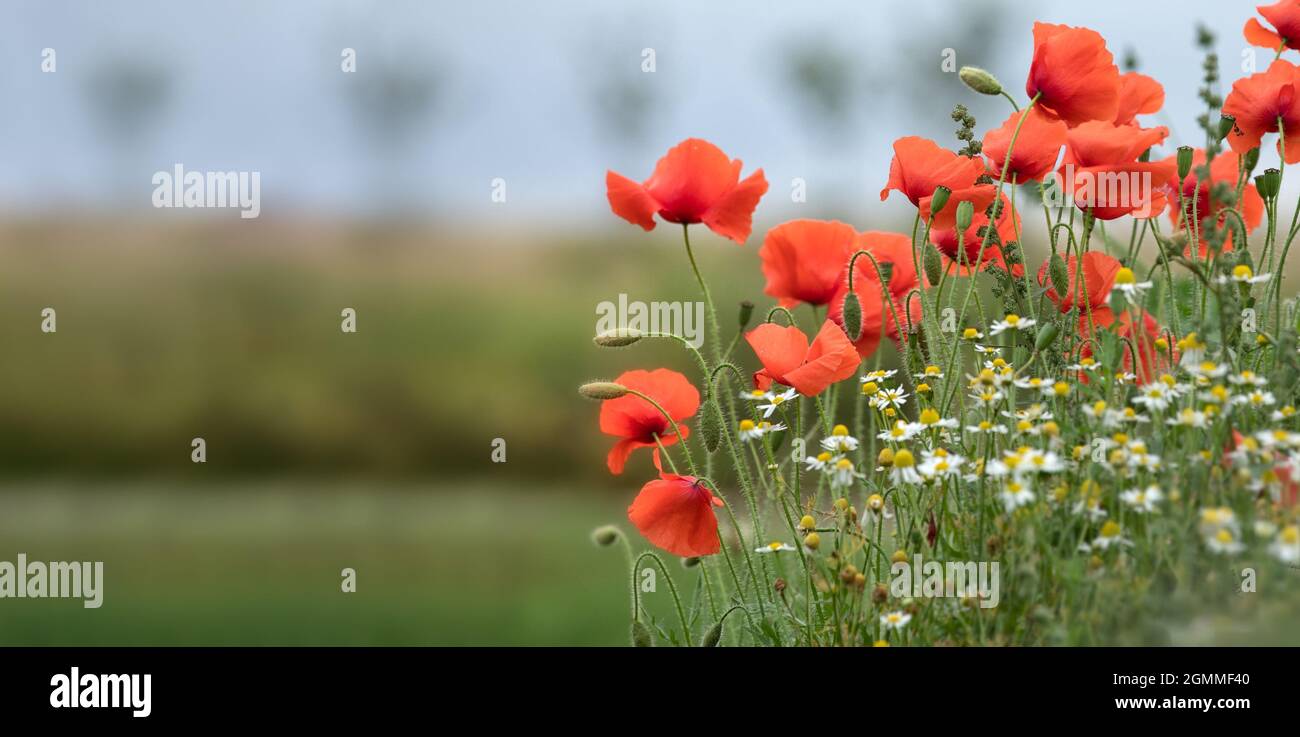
[[672, 589]]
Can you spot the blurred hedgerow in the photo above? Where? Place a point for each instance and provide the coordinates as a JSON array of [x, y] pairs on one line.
[[1114, 430]]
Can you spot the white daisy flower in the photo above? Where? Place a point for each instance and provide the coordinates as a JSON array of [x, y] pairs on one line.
[[940, 464], [1282, 414], [823, 461], [1110, 534], [1015, 495], [895, 397], [1011, 322], [1256, 398], [1155, 396], [987, 350], [1248, 378], [749, 430], [1085, 364], [1224, 543], [1188, 417], [987, 428], [878, 375], [1145, 501], [775, 547], [843, 474], [776, 401], [901, 432], [1126, 282], [903, 470], [1286, 547], [895, 620], [931, 372], [840, 441], [757, 395], [1242, 274]]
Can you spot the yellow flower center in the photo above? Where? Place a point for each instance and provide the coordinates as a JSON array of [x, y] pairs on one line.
[[1291, 535], [970, 334], [904, 459], [824, 456], [1110, 529], [844, 464], [1224, 536], [929, 416], [746, 425], [985, 425], [1241, 271], [1061, 388], [840, 431], [1125, 276], [1013, 319]]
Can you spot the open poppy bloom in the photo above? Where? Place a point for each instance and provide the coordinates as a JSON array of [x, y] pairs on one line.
[[1284, 16], [1224, 168], [962, 259], [1138, 95], [695, 182], [1099, 270], [1115, 190], [675, 513], [1037, 147], [637, 422], [787, 357], [1258, 101], [1073, 74], [920, 166], [894, 253], [1100, 143], [803, 260]]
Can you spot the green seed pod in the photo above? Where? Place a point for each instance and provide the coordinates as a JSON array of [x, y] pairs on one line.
[[965, 214], [1046, 336], [933, 263], [980, 80], [712, 636], [1060, 275], [617, 338], [852, 316], [939, 199], [711, 425], [1185, 154], [641, 635], [1252, 158], [605, 535], [746, 312], [1273, 181], [1226, 124], [602, 390]]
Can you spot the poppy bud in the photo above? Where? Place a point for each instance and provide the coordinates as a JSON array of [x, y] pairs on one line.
[[690, 561], [617, 338], [605, 536], [980, 80], [1226, 124], [1046, 336], [1185, 154], [712, 636], [1060, 274], [711, 425], [1252, 158], [602, 390], [852, 313], [965, 214], [933, 264], [746, 312], [939, 199], [641, 634]]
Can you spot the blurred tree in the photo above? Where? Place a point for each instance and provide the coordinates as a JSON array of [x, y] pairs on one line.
[[127, 96]]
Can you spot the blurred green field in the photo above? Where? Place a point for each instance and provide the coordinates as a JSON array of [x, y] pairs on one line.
[[259, 564]]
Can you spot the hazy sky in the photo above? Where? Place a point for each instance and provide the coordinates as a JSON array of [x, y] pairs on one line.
[[516, 91]]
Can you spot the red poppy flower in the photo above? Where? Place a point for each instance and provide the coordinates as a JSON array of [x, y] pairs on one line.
[[1138, 95], [946, 241], [1224, 168], [1099, 271], [1152, 362], [877, 317], [695, 182], [637, 422], [1285, 17], [1101, 143], [803, 260], [1113, 191], [787, 358], [1074, 74], [1037, 147], [675, 513], [920, 166], [1258, 101]]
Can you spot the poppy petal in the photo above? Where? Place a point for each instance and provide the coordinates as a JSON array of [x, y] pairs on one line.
[[630, 201], [831, 358], [676, 514], [780, 349], [731, 216]]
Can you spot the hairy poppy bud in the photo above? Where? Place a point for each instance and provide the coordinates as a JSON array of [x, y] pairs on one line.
[[965, 214], [602, 390], [933, 264], [939, 199], [1060, 274], [605, 536], [1046, 336], [1226, 124], [746, 312], [711, 425], [712, 636], [980, 80], [1185, 154], [1252, 158], [641, 634], [852, 313], [617, 338]]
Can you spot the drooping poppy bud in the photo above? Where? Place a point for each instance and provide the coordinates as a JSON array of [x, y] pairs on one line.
[[605, 535], [980, 80], [852, 316], [602, 390], [712, 636], [617, 338], [1046, 336], [933, 263], [711, 425], [641, 634]]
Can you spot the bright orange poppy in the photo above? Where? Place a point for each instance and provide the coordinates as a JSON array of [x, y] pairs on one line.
[[1101, 143], [894, 253], [1284, 16], [1037, 147], [803, 260], [787, 357], [1223, 169], [695, 182], [1073, 74], [920, 166], [675, 513], [1258, 101], [637, 422], [1138, 95], [1115, 190]]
